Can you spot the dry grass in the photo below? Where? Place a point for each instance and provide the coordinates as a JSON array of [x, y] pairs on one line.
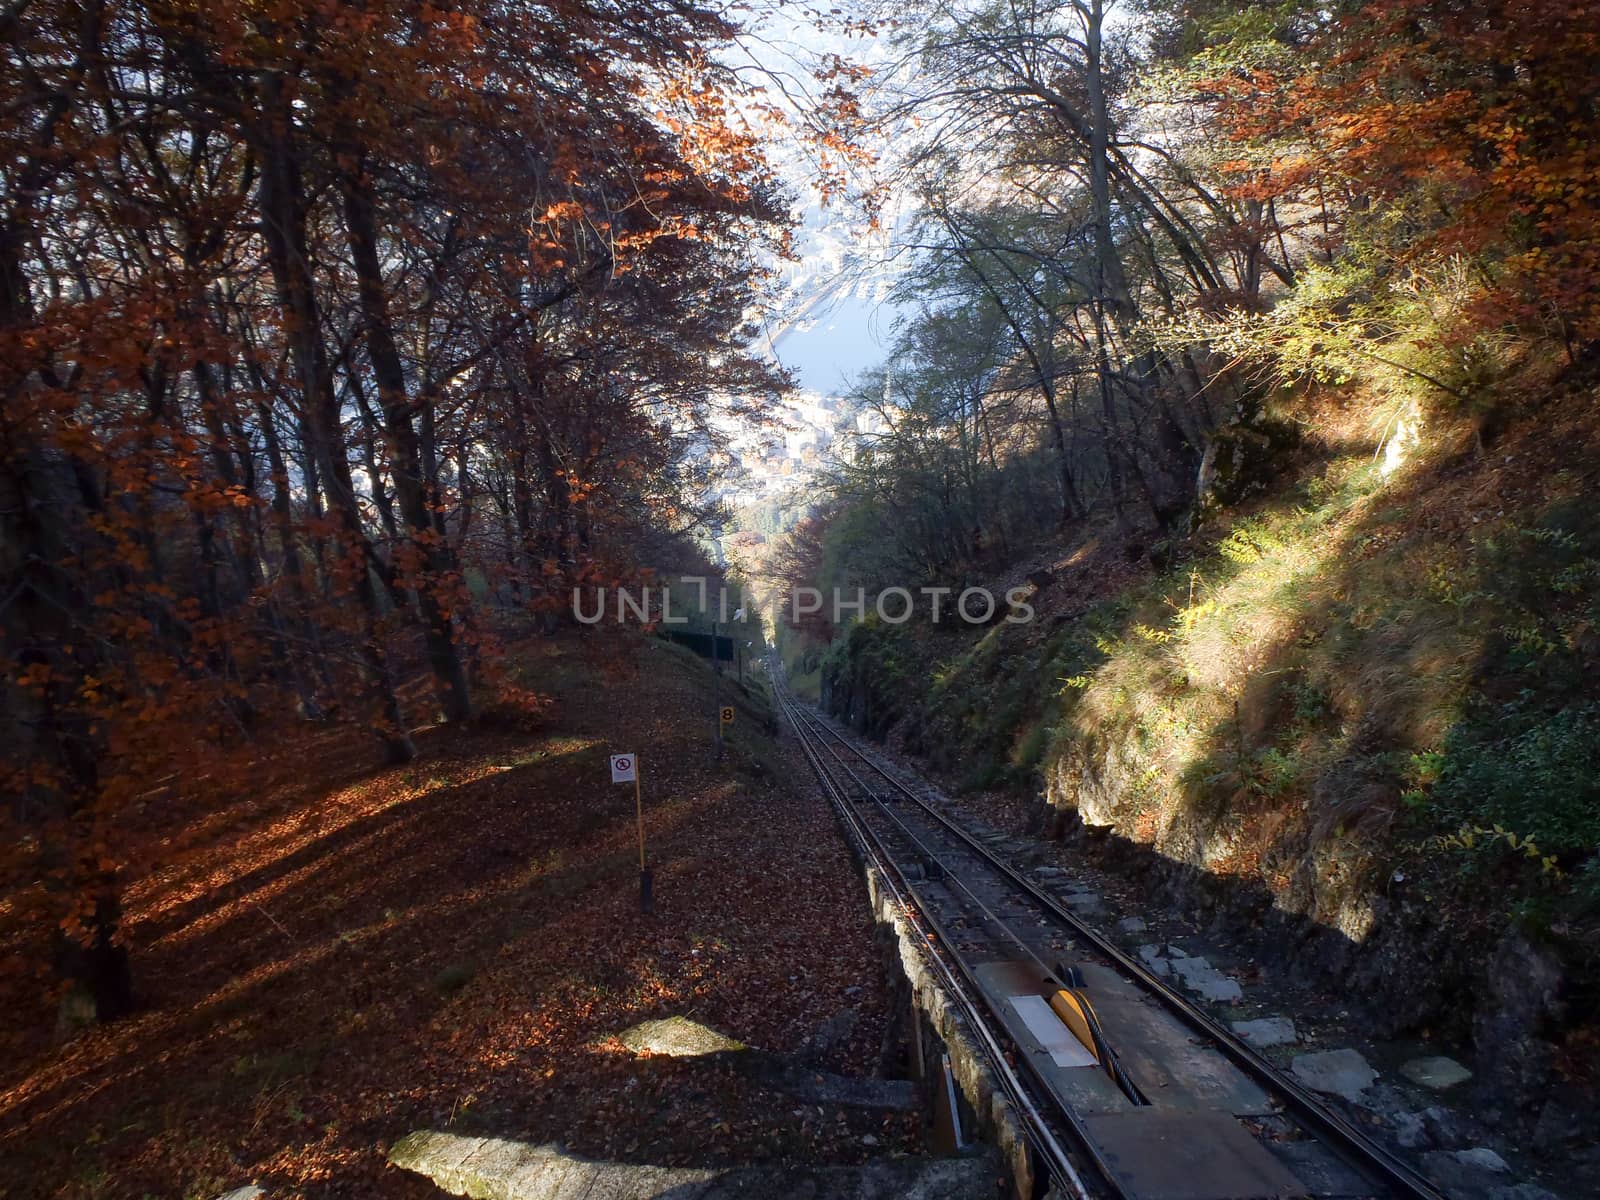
[[1247, 702]]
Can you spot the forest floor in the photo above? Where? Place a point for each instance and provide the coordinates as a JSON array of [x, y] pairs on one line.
[[345, 955]]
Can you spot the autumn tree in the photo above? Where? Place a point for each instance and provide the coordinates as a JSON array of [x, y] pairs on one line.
[[1177, 213], [1447, 131], [310, 318]]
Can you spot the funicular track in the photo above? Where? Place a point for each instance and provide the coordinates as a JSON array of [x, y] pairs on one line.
[[1124, 1087]]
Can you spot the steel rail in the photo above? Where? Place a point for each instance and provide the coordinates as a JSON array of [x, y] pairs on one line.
[[1359, 1150], [1036, 1126], [932, 919], [1110, 1063]]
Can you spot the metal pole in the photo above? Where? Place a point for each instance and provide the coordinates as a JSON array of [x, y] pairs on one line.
[[646, 899], [638, 808], [716, 693]]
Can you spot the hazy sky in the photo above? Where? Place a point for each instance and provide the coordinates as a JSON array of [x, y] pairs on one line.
[[837, 322]]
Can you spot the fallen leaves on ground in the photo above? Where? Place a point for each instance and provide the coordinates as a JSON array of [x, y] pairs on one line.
[[454, 944]]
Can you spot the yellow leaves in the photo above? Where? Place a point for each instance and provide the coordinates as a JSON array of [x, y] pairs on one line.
[[1469, 836]]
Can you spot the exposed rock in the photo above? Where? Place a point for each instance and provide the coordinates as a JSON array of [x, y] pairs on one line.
[[1410, 1130], [677, 1037], [1466, 1172], [1238, 462], [1335, 1072], [1267, 1031], [1437, 1073], [248, 1192], [1522, 992], [1200, 976], [1132, 925], [1483, 1159], [1557, 1125], [1150, 955], [494, 1169], [1082, 903], [1445, 1127], [1519, 1191], [1384, 1101]]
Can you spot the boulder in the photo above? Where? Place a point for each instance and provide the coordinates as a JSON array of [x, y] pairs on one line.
[[1436, 1072], [1521, 996], [1200, 976], [677, 1037], [496, 1169]]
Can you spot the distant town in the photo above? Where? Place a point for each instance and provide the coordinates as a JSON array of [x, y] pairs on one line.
[[772, 459]]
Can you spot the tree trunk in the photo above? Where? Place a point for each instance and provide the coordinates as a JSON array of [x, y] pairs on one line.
[[412, 486], [49, 731], [284, 227]]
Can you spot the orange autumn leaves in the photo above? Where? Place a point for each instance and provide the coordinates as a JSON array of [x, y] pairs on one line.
[[1482, 119], [323, 330]]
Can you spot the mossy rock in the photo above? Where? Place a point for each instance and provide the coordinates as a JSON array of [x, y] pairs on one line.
[[1240, 461]]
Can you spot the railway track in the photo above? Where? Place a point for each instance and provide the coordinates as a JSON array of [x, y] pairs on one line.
[[1124, 1087]]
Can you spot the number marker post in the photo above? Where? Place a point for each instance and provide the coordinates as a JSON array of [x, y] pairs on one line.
[[625, 769]]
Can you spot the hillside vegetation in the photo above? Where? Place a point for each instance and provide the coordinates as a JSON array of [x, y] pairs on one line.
[[336, 342], [336, 957], [1366, 696], [1264, 360]]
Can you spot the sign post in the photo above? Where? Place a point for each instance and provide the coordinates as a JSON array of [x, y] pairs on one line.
[[716, 689], [625, 769]]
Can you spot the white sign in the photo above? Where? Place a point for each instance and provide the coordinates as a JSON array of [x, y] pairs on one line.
[[624, 768]]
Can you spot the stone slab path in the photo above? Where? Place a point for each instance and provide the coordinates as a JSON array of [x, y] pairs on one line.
[[495, 1169]]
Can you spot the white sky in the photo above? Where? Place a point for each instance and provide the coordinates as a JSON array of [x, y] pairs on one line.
[[835, 321]]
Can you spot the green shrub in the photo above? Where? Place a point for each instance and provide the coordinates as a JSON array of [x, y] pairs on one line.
[[1533, 772], [1030, 749]]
